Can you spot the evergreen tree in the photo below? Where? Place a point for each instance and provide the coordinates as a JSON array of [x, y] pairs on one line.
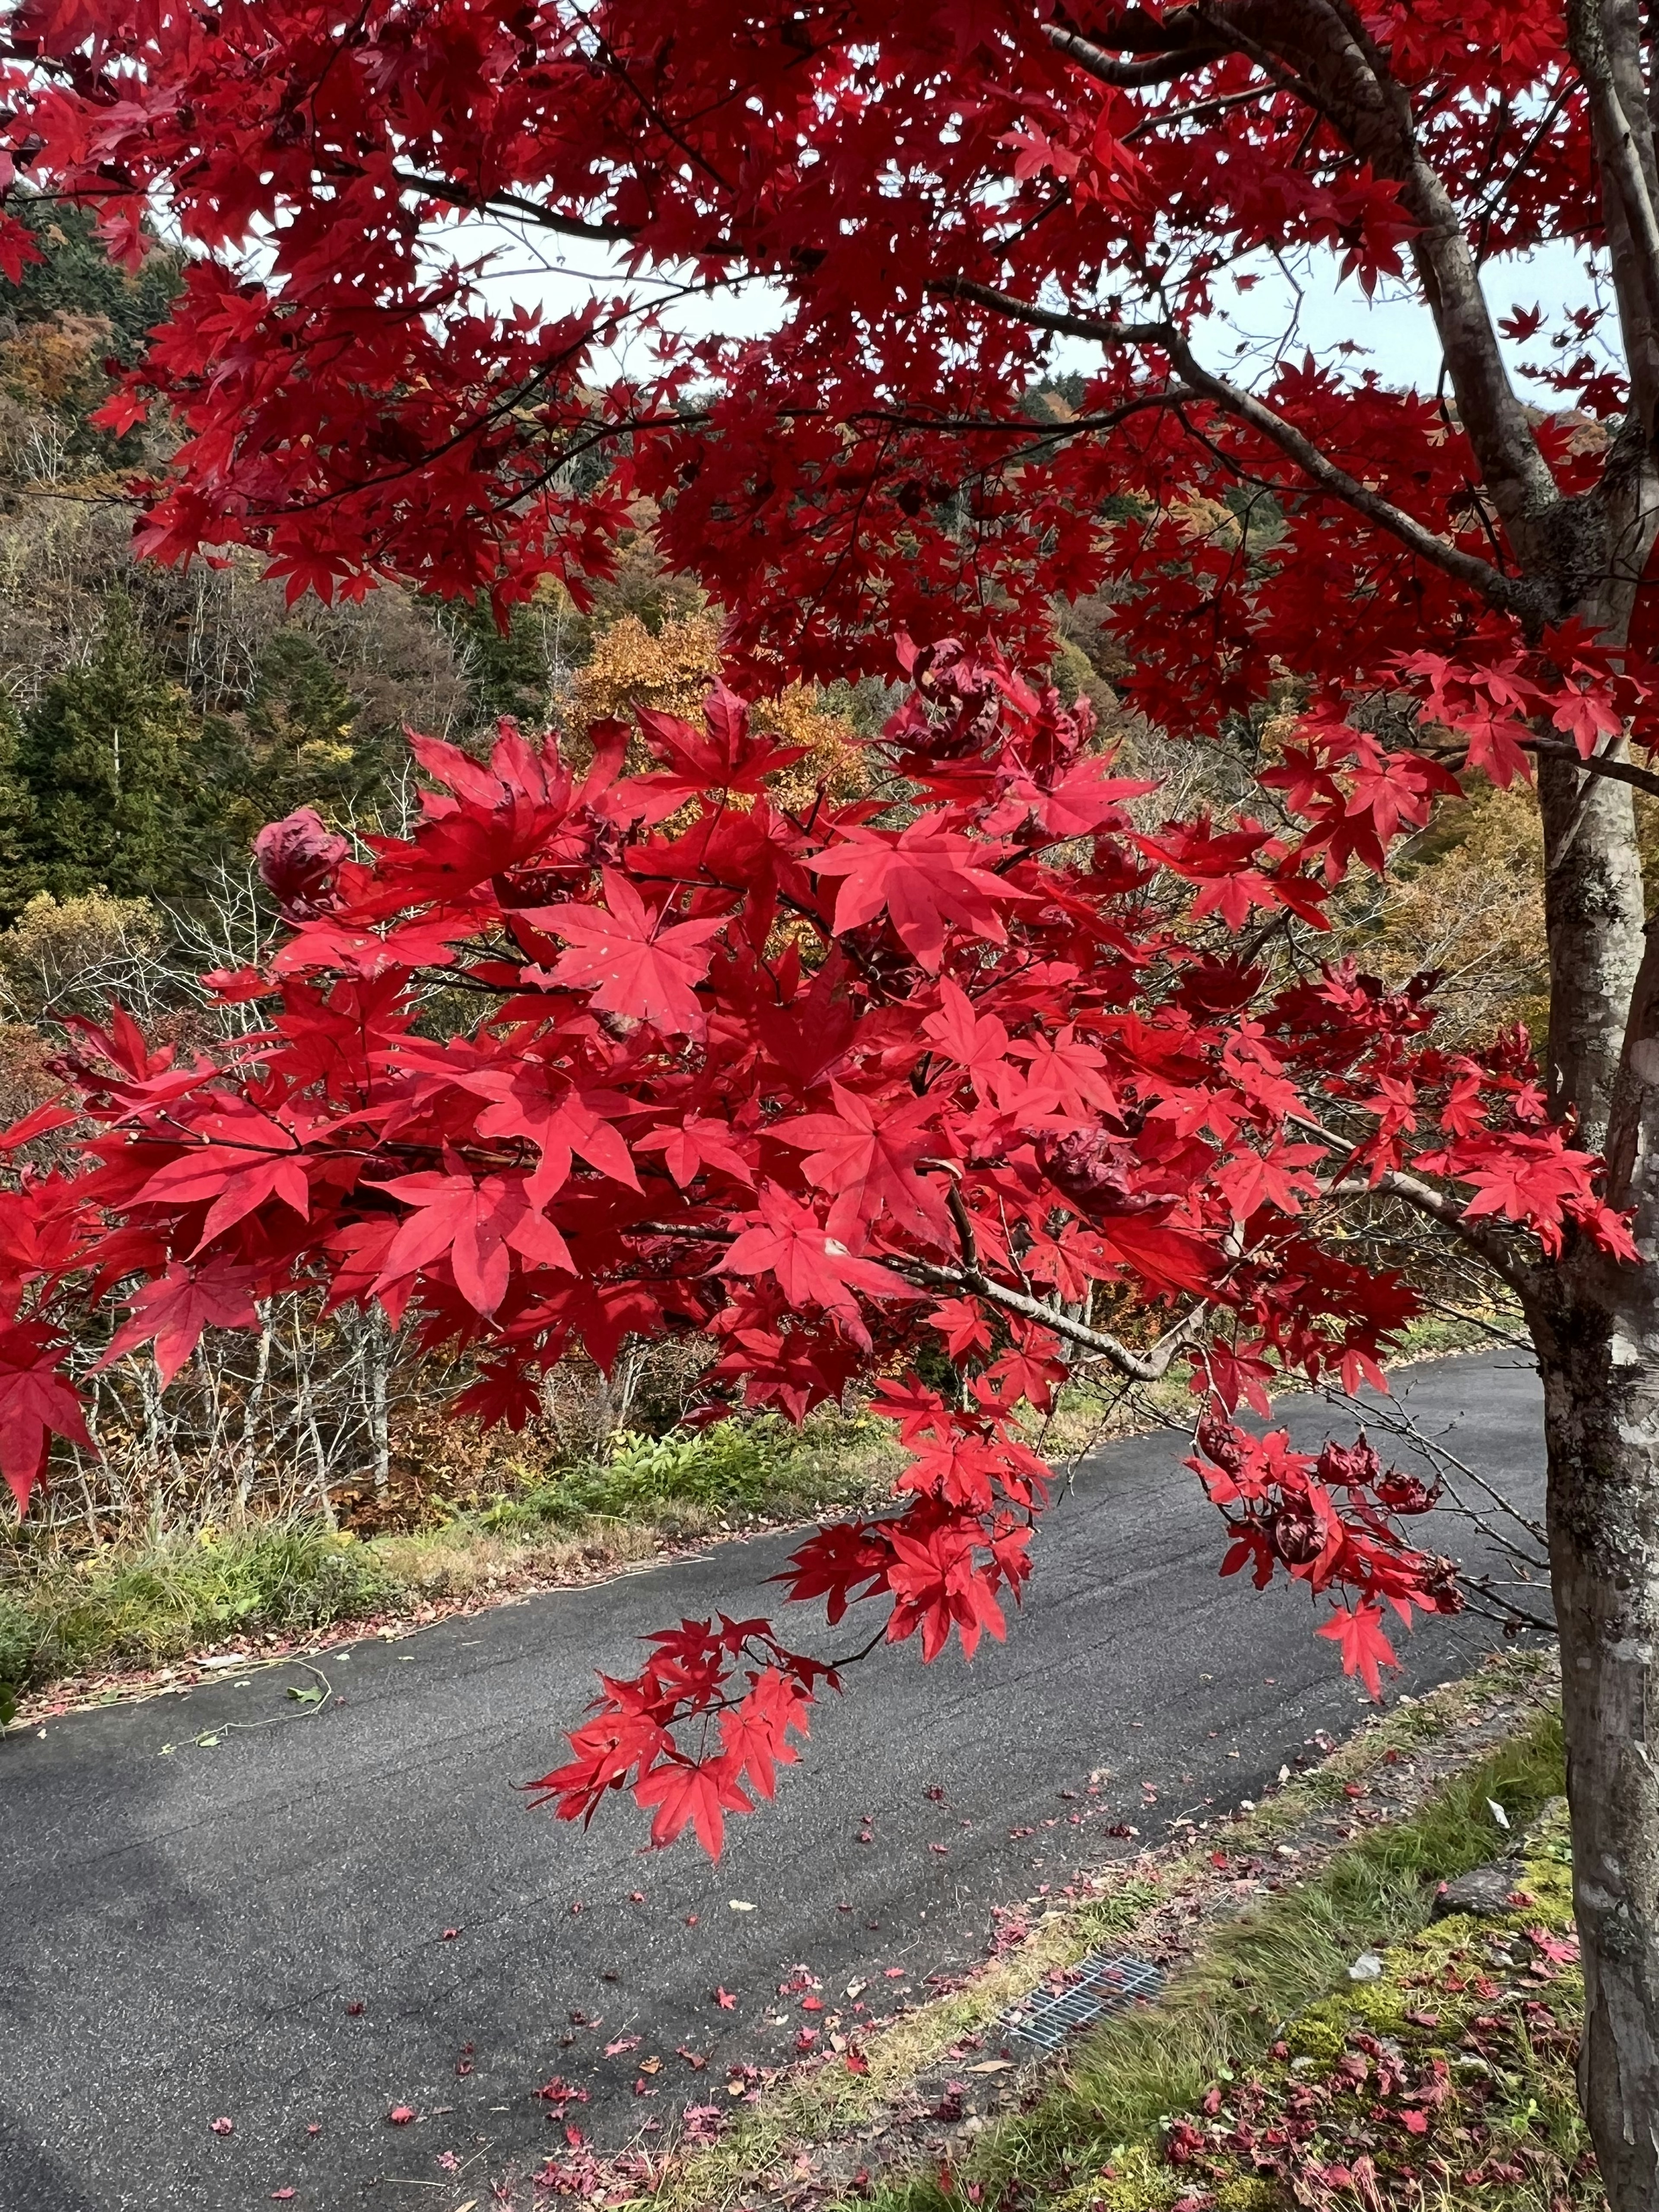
[[77, 278], [107, 758], [300, 741], [20, 877]]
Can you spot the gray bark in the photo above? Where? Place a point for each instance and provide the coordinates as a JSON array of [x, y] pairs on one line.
[[1594, 1322]]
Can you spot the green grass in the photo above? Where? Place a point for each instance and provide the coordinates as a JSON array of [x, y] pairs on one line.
[[137, 1605], [1220, 2018], [144, 1607], [734, 1469]]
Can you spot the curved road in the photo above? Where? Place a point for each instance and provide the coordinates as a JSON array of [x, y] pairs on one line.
[[313, 1921]]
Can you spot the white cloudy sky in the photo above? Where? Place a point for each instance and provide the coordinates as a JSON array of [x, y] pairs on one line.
[[1394, 331]]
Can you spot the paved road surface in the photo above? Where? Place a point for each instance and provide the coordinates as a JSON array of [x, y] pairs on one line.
[[256, 1929]]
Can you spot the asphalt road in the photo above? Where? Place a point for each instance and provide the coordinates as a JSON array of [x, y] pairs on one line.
[[321, 1917]]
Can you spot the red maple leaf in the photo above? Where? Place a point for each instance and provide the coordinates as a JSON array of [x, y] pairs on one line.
[[36, 1402], [174, 1310], [681, 1791], [1365, 1649], [785, 1239], [923, 877], [868, 1160], [630, 959], [755, 1732]]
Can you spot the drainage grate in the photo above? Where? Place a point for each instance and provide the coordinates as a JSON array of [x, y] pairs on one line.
[[1096, 1985]]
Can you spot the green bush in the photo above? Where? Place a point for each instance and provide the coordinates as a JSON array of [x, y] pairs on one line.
[[730, 1468]]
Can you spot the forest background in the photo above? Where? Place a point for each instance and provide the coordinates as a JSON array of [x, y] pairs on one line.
[[151, 721]]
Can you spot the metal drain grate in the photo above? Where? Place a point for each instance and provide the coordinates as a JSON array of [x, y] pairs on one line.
[[1098, 1985]]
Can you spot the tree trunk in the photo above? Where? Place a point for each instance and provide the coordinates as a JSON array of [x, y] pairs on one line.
[[1601, 1369]]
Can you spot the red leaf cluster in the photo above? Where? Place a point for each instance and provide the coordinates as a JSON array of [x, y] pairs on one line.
[[698, 1097]]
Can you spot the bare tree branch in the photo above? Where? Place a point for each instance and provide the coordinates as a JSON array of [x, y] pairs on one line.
[[1140, 1366], [1155, 70], [454, 195], [1047, 319]]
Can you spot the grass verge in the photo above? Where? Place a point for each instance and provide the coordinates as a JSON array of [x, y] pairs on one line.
[[124, 1607], [1267, 2077], [1268, 1907]]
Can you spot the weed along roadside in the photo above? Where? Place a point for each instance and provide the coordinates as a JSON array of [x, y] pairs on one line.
[[95, 1624], [1327, 2031], [83, 1620]]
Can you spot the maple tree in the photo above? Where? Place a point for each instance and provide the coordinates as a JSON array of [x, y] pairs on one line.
[[839, 1077]]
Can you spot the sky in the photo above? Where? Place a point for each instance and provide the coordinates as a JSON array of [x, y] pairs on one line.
[[1393, 332]]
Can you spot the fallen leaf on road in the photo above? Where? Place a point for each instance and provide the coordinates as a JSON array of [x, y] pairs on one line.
[[696, 2060], [222, 2127], [651, 2066], [450, 1934], [401, 2115], [894, 1973], [739, 1905], [622, 2043], [355, 2007], [725, 2000], [281, 2196], [637, 1897], [811, 2004], [857, 2063], [991, 2066], [856, 1989]]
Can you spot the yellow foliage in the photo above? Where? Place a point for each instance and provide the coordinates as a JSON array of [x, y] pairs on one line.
[[673, 672], [1476, 912], [46, 360], [834, 758], [1206, 520], [55, 949]]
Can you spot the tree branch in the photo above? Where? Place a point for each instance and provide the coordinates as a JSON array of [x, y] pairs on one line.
[[1046, 318], [1516, 595], [1320, 51], [1141, 1367], [454, 195], [1628, 192], [1133, 77], [1599, 764], [1436, 1204]]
